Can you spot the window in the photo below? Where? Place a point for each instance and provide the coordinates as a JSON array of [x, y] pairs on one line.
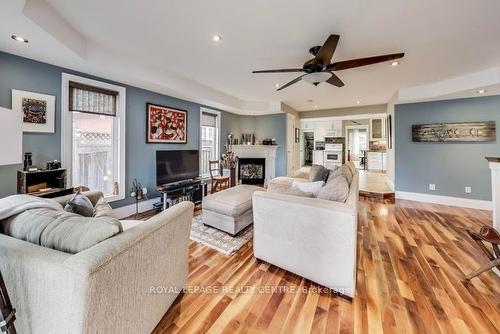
[[209, 139], [94, 135]]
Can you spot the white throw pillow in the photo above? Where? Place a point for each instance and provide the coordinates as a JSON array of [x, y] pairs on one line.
[[308, 187]]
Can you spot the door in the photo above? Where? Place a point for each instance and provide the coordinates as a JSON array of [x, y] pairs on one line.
[[290, 144]]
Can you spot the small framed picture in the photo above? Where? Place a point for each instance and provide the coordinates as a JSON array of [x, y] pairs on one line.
[[297, 135], [38, 110], [166, 125]]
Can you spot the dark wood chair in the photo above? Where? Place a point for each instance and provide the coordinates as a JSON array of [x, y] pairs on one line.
[[7, 313], [219, 182], [488, 235]]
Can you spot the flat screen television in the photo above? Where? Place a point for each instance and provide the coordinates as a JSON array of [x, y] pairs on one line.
[[176, 166]]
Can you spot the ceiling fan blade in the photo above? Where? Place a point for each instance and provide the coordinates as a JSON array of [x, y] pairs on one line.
[[287, 70], [335, 80], [325, 54], [290, 83], [344, 65]]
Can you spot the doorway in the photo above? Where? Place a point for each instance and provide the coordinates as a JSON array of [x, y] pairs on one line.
[[357, 144], [308, 148]]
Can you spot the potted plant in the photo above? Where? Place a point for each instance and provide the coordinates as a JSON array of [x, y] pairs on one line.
[[229, 162]]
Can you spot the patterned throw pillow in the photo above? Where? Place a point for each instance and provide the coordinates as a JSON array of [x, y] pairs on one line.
[[344, 171], [335, 190], [81, 205], [102, 209], [318, 173]]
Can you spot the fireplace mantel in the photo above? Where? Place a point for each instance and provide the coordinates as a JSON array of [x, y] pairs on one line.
[[267, 152]]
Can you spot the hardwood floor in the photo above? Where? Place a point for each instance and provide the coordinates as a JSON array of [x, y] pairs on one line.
[[411, 263]]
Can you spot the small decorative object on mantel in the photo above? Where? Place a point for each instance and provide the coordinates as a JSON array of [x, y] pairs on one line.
[[138, 192], [28, 162], [455, 132], [229, 162], [7, 313], [166, 125], [248, 139], [38, 110]]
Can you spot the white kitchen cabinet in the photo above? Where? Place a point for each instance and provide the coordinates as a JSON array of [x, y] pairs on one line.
[[318, 158], [377, 129], [377, 161]]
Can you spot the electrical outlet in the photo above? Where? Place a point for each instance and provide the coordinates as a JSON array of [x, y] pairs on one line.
[[432, 186], [468, 189]]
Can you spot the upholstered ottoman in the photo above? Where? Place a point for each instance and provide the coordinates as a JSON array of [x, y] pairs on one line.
[[230, 210]]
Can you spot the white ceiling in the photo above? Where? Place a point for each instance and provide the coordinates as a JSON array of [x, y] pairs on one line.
[[167, 46]]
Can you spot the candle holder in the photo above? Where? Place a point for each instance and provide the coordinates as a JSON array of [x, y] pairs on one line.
[[139, 193]]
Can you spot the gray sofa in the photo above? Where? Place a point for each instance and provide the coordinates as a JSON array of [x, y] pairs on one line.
[[124, 284]]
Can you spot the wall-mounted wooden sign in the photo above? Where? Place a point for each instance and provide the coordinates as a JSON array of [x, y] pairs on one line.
[[454, 132]]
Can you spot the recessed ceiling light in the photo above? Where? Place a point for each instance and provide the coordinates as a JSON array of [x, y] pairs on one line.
[[217, 38], [395, 63], [481, 91], [277, 85], [358, 102], [316, 106], [18, 38]]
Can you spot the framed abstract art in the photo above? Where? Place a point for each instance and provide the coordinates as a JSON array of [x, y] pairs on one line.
[[38, 110], [166, 125]]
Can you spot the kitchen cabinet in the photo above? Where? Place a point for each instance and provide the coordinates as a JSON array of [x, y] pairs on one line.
[[377, 129], [318, 158], [322, 129], [377, 161]]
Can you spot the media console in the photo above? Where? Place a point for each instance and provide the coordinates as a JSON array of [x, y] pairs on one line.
[[190, 190]]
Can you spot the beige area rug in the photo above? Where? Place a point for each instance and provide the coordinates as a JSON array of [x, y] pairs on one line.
[[218, 240]]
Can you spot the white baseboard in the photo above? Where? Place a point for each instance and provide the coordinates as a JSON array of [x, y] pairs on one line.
[[129, 210], [445, 200]]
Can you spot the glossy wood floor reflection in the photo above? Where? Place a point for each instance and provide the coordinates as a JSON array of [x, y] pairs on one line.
[[411, 263]]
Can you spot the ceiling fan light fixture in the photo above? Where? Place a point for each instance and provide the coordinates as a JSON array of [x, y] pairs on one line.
[[316, 77], [395, 63], [18, 38], [217, 38]]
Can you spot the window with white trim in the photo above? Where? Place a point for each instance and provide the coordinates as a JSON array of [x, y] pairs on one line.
[[209, 139], [93, 136]]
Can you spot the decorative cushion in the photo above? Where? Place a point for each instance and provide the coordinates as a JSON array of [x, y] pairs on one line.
[[60, 230], [102, 209], [344, 171], [318, 173], [351, 166], [289, 191], [308, 187], [81, 205], [335, 190]]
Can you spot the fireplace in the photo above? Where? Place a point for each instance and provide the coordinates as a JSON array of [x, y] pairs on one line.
[[252, 170]]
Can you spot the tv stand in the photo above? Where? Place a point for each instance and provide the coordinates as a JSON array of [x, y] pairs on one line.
[[188, 190]]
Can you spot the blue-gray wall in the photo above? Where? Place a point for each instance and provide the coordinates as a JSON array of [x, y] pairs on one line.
[[265, 126], [25, 74], [451, 166]]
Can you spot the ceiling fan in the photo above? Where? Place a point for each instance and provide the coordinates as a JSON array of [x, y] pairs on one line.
[[319, 69]]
